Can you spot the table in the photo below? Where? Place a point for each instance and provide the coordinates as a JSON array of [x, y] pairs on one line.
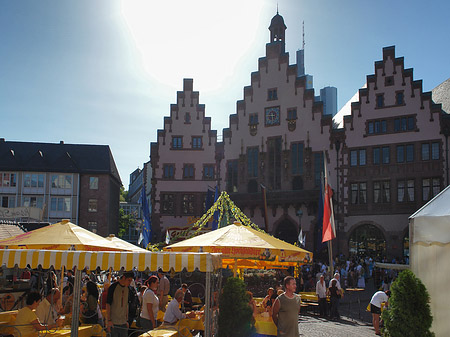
[[161, 332], [83, 331], [264, 325], [357, 291]]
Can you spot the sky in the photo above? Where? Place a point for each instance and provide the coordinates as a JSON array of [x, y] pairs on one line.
[[106, 71]]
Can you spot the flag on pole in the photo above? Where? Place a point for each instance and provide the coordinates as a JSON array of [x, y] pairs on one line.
[[329, 229], [301, 238], [146, 229], [167, 237]]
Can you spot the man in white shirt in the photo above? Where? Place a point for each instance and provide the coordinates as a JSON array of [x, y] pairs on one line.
[[321, 292], [47, 311], [338, 283], [173, 312]]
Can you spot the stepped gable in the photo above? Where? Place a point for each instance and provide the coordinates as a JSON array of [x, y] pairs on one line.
[[389, 73]]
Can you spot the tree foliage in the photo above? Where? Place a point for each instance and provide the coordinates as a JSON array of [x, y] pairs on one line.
[[125, 221], [409, 311], [123, 194], [235, 314]]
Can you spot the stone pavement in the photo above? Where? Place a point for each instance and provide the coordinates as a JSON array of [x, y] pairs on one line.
[[313, 326]]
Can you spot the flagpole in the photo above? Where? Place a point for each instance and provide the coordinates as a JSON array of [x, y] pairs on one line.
[[265, 208], [330, 257], [326, 188]]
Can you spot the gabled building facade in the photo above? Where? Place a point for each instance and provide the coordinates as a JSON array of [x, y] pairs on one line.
[[392, 161], [183, 163], [276, 140], [386, 156]]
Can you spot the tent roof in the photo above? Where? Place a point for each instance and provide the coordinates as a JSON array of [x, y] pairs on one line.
[[238, 241], [63, 235], [205, 262], [431, 223], [124, 245]]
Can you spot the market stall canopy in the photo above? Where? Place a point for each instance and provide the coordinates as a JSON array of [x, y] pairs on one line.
[[124, 245], [204, 262], [62, 235], [431, 223], [242, 242]]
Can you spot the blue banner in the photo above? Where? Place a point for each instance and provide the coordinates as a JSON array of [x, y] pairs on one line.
[[147, 228]]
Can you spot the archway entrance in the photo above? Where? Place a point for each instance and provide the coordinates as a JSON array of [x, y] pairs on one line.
[[287, 231], [367, 240]]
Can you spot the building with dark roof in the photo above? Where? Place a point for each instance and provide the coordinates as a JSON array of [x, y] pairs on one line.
[[64, 181]]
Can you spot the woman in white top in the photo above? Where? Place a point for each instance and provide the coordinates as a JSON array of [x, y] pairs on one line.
[[150, 304]]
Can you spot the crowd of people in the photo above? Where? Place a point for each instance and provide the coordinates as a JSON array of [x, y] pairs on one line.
[[113, 301], [125, 299]]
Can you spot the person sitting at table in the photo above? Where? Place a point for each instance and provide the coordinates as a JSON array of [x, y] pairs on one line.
[[47, 310], [267, 301], [187, 299], [150, 304], [173, 313], [67, 299], [252, 303], [27, 322], [90, 314]]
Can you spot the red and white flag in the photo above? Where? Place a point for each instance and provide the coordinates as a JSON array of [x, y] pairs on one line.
[[329, 229]]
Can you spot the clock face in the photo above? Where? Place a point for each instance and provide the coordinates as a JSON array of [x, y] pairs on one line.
[[272, 116]]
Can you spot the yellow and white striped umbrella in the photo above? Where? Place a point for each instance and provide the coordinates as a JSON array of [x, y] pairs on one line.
[[205, 262]]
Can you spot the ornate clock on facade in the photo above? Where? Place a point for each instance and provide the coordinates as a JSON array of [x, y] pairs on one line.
[[272, 116]]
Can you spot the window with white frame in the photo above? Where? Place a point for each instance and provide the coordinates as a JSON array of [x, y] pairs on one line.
[[92, 226], [34, 180], [92, 205], [7, 201], [93, 183], [61, 181], [31, 201], [60, 204], [8, 179]]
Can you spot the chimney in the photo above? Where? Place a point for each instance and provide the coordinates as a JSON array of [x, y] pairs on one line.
[[61, 142], [2, 140]]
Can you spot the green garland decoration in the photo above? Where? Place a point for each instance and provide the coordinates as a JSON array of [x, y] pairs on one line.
[[227, 211]]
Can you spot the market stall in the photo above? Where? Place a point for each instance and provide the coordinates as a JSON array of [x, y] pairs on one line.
[[204, 262], [62, 235], [244, 247]]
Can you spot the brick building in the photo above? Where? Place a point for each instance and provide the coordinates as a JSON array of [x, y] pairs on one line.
[[61, 181]]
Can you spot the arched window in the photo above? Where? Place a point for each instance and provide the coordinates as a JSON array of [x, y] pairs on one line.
[[367, 240]]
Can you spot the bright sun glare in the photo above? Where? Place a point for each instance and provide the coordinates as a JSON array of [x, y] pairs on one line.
[[204, 40]]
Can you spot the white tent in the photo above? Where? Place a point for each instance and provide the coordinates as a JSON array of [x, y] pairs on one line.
[[429, 236]]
